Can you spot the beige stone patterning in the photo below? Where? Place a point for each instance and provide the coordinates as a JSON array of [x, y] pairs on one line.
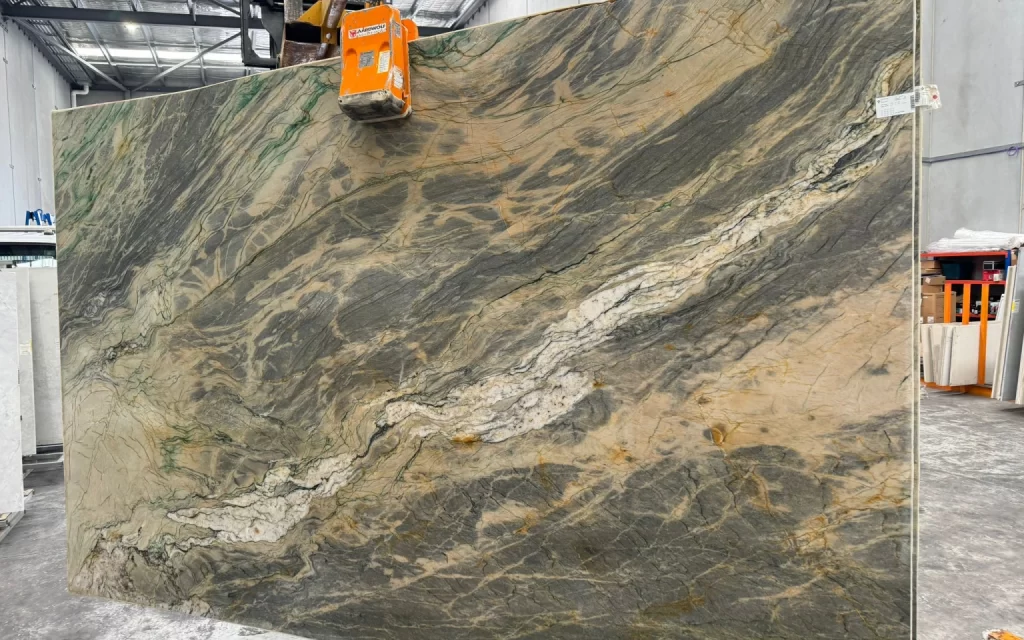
[[610, 339]]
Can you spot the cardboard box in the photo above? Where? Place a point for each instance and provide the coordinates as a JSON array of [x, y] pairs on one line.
[[930, 265], [931, 309], [933, 288], [933, 280]]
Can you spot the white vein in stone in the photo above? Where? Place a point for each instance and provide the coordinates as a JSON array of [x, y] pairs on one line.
[[542, 387], [261, 515]]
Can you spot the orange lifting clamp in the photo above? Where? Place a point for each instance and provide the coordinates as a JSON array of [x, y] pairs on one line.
[[375, 63]]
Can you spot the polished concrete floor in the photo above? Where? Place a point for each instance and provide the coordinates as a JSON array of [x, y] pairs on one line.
[[971, 564], [35, 603], [971, 559]]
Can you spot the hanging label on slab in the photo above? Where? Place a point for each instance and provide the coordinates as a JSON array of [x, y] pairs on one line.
[[383, 61], [362, 32], [927, 97], [897, 105], [922, 97]]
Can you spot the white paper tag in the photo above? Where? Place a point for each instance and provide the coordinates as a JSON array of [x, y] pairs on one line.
[[927, 97], [897, 105], [362, 32], [383, 61], [399, 79]]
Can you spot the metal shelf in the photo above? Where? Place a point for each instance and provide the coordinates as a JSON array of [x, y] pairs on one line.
[[988, 282], [964, 254]]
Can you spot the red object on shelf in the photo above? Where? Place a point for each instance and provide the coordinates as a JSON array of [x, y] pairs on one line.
[[990, 272]]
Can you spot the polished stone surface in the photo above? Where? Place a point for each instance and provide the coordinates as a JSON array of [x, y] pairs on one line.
[[610, 339], [46, 364], [26, 380], [12, 493]]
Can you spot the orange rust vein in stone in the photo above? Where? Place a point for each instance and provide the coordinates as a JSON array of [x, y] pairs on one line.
[[718, 435], [675, 608], [529, 521], [621, 455], [467, 440]]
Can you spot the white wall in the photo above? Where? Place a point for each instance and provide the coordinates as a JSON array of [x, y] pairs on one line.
[[974, 53], [30, 88], [102, 97], [498, 10]]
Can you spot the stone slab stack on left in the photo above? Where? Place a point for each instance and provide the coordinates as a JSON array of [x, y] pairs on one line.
[[25, 369], [12, 494], [46, 356]]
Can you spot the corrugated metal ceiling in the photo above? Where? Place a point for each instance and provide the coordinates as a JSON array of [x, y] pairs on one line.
[[132, 54]]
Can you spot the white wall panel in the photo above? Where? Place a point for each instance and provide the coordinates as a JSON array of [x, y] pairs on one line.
[[480, 17], [61, 91], [539, 6], [978, 193], [6, 152], [498, 10], [508, 9], [46, 103], [101, 97], [22, 105], [31, 89], [973, 52], [975, 58]]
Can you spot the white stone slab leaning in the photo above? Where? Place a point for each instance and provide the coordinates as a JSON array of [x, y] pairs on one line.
[[12, 492], [25, 379], [46, 356]]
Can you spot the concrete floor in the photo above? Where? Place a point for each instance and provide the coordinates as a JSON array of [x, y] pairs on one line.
[[971, 559], [35, 603], [971, 565]]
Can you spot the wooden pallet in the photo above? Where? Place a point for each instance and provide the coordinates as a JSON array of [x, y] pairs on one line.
[[7, 522]]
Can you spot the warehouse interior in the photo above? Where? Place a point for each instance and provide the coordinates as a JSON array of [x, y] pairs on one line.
[[967, 579]]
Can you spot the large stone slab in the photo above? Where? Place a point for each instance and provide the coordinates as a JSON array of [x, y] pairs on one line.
[[26, 380], [46, 355], [611, 339], [12, 490]]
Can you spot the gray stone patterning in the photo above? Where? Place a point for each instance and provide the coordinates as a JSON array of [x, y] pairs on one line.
[[610, 339]]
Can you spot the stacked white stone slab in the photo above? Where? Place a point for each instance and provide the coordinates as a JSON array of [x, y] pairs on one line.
[[46, 356], [28, 397], [12, 492]]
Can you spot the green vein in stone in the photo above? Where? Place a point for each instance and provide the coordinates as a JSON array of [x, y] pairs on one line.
[[434, 52], [248, 93], [282, 145], [96, 129]]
